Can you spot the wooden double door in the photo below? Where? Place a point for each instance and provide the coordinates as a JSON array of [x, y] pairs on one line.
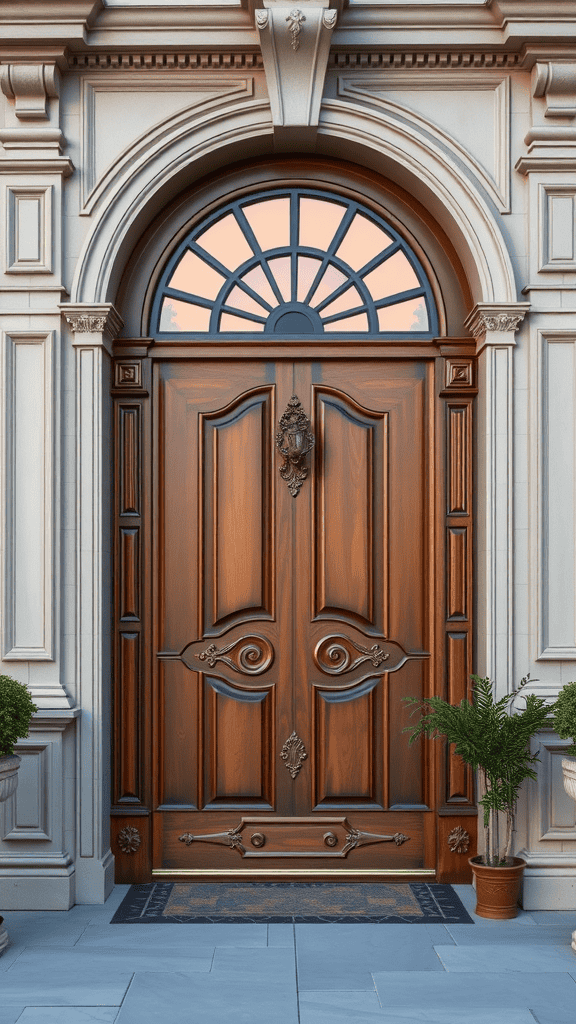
[[290, 578]]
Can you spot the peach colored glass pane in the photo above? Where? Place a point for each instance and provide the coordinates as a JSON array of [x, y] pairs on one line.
[[259, 283], [228, 322], [270, 222], [307, 270], [359, 322], [362, 242], [280, 267], [405, 316], [194, 275], [330, 280], [394, 275], [319, 221], [183, 316], [240, 300], [226, 242], [350, 298]]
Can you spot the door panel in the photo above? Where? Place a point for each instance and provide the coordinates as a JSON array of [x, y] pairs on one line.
[[285, 628]]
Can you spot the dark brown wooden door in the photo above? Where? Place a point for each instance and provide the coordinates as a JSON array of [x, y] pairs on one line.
[[287, 628]]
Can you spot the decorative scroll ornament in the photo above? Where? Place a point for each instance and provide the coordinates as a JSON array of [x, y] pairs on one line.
[[262, 18], [251, 655], [502, 322], [295, 19], [84, 324], [129, 839], [329, 18], [333, 656], [231, 838], [355, 838], [294, 440], [459, 840], [294, 753]]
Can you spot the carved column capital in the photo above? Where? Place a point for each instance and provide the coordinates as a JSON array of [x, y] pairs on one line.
[[557, 84], [496, 323], [97, 324], [30, 86]]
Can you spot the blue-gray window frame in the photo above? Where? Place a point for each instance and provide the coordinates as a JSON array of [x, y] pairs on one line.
[[293, 250]]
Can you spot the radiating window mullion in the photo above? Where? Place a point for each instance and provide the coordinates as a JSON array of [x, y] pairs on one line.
[[344, 314], [190, 297], [336, 294], [210, 260], [237, 281], [243, 222], [339, 234], [244, 314], [393, 300], [381, 258], [294, 223]]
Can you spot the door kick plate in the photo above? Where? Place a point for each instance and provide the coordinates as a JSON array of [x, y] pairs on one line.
[[294, 837]]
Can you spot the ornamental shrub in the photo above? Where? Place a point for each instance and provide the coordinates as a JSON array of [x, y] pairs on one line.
[[16, 710], [565, 716]]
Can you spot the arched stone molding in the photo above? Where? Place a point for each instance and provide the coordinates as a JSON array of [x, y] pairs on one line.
[[148, 178]]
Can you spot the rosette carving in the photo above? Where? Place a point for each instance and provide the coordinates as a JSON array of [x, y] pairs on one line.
[[129, 839], [338, 654], [459, 840]]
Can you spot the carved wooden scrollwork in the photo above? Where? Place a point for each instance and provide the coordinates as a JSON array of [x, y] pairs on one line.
[[294, 754], [231, 838], [335, 654], [294, 440], [356, 838], [459, 840], [129, 839], [250, 655]]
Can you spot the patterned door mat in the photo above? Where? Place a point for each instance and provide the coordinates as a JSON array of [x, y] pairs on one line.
[[300, 903]]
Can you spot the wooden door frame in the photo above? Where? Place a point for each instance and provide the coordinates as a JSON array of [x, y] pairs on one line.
[[451, 506]]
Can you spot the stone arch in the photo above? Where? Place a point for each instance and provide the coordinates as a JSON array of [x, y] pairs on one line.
[[131, 196]]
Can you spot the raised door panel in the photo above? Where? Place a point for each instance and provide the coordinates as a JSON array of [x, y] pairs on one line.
[[239, 731]]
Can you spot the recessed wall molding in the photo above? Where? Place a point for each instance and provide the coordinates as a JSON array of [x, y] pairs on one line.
[[492, 169], [556, 500], [28, 486], [29, 229], [557, 221]]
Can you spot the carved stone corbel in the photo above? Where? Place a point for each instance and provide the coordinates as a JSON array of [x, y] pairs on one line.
[[557, 84], [295, 40], [30, 86]]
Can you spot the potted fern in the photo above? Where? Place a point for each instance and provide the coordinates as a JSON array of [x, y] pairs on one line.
[[565, 725], [16, 710], [495, 743]]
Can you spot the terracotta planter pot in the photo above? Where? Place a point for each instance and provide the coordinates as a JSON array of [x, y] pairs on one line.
[[497, 889], [8, 775]]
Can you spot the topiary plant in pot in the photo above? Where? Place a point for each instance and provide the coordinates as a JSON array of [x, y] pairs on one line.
[[16, 710], [495, 743]]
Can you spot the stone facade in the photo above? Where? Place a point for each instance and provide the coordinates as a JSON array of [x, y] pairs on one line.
[[108, 111]]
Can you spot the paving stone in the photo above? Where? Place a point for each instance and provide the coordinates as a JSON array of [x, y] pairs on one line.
[[517, 990], [275, 961], [329, 1007], [10, 1014], [456, 1015], [281, 935], [156, 958], [174, 935], [36, 985], [341, 957], [537, 935], [69, 1015], [506, 958], [208, 999]]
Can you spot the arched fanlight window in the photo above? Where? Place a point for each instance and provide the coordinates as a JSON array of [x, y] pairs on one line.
[[293, 261]]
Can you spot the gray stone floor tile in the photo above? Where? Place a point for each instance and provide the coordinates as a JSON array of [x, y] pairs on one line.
[[155, 958], [363, 936], [29, 985], [274, 960], [456, 1015], [281, 935], [10, 954], [567, 917], [207, 999], [544, 1015], [69, 1015], [339, 962], [10, 1014], [329, 1007], [174, 935], [538, 935], [439, 934], [50, 928], [436, 991], [507, 958]]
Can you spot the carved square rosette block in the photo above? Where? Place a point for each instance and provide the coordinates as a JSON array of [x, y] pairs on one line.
[[459, 373], [128, 375]]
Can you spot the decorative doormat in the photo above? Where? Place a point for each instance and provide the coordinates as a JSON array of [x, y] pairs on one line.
[[292, 902]]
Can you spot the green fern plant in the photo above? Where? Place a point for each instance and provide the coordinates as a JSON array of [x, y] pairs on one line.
[[496, 745], [565, 716], [16, 710]]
